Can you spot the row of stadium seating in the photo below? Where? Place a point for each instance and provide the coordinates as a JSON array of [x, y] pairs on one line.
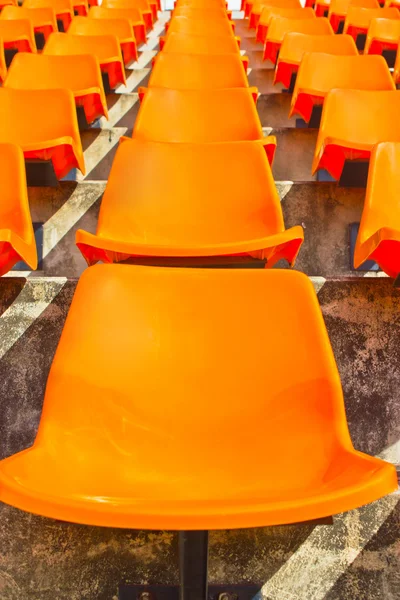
[[155, 363]]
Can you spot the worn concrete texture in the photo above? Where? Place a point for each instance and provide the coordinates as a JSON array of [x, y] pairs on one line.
[[357, 557]]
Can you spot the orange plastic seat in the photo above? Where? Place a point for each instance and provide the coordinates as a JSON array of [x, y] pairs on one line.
[[119, 28], [80, 74], [216, 27], [133, 15], [147, 10], [201, 3], [3, 64], [280, 26], [183, 43], [256, 7], [131, 397], [379, 234], [142, 215], [197, 71], [17, 240], [201, 12], [349, 130], [44, 124], [269, 12], [63, 9], [105, 48], [7, 3], [320, 73], [295, 45], [43, 19], [18, 34], [358, 19], [338, 10], [199, 116], [383, 34]]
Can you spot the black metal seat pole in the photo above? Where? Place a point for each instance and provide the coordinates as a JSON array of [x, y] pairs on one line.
[[193, 565]]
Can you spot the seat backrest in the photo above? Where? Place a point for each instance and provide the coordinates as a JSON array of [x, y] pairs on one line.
[[29, 116], [201, 26], [103, 47], [121, 28], [295, 45], [277, 4], [340, 7], [361, 17], [101, 12], [319, 73], [280, 26], [198, 116], [57, 5], [37, 16], [389, 29], [152, 360], [41, 71], [157, 211], [290, 13], [11, 30], [200, 44], [14, 204], [136, 4], [197, 12], [197, 71]]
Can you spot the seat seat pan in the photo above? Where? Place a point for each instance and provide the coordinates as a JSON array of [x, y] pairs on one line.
[[134, 496]]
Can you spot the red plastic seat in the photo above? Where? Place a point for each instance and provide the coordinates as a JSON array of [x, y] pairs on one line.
[[153, 360], [80, 74], [17, 240], [280, 26], [295, 45], [198, 116], [348, 130], [143, 215], [105, 48], [120, 28], [379, 234], [44, 124], [320, 73]]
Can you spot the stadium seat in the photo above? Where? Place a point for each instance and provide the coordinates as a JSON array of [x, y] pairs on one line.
[[269, 12], [216, 27], [197, 71], [152, 360], [224, 216], [295, 45], [119, 28], [63, 9], [358, 19], [280, 26], [44, 124], [105, 48], [383, 34], [4, 3], [379, 234], [338, 11], [147, 9], [18, 35], [43, 20], [257, 7], [17, 240], [198, 116], [183, 43], [80, 74], [319, 73], [349, 130], [197, 12], [138, 27]]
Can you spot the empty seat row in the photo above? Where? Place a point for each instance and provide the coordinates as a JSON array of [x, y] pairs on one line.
[[130, 434]]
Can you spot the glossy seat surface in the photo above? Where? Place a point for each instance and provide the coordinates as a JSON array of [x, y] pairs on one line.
[[131, 398], [383, 34], [200, 44], [269, 12], [281, 26], [358, 19], [295, 45], [44, 124], [197, 71], [43, 19], [215, 27], [105, 48], [63, 9], [142, 215], [80, 74], [379, 234], [338, 9], [17, 240], [19, 34], [353, 121], [132, 14], [319, 73]]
